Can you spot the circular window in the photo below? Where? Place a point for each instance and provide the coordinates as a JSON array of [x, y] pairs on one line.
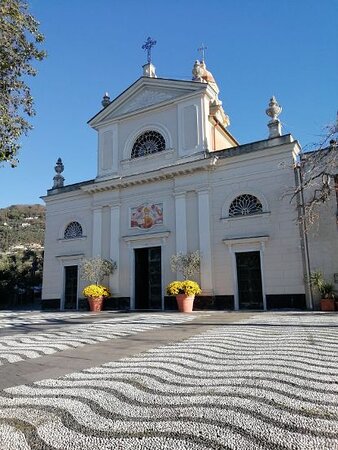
[[148, 143], [245, 204]]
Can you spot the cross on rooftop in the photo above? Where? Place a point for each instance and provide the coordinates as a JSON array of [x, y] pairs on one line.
[[147, 46], [202, 49]]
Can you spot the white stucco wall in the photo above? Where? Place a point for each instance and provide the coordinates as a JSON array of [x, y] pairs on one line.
[[181, 123], [59, 252], [260, 173]]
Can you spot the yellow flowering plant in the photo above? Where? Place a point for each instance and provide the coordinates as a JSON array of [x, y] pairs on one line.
[[187, 287], [96, 290]]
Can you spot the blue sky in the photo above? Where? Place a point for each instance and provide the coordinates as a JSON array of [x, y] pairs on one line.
[[255, 49]]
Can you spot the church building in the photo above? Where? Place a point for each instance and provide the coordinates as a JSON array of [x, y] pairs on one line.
[[171, 178]]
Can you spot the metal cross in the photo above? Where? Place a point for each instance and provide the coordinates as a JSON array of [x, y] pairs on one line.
[[147, 46], [202, 49]]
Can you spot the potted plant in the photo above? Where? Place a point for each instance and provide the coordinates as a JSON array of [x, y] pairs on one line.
[[185, 291], [94, 270], [326, 290], [95, 294]]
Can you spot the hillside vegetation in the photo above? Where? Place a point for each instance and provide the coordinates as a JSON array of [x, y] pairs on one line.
[[21, 225], [21, 255]]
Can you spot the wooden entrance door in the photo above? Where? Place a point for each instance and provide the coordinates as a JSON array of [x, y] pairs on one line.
[[148, 285], [249, 279]]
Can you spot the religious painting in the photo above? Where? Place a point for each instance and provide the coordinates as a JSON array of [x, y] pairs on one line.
[[146, 215]]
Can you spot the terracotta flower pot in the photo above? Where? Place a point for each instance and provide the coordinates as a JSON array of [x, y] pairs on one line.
[[185, 302], [95, 303], [327, 304]]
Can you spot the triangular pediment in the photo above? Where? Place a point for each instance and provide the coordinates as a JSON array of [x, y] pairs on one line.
[[146, 94], [148, 97]]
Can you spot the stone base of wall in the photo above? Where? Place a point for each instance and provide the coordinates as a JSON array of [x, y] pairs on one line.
[[110, 304], [226, 302], [204, 302], [83, 304], [286, 301], [51, 303], [116, 303]]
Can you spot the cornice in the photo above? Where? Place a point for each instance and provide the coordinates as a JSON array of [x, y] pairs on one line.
[[165, 173]]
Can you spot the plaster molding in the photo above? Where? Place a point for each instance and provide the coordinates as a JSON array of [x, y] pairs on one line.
[[162, 235], [230, 242], [156, 175], [70, 258]]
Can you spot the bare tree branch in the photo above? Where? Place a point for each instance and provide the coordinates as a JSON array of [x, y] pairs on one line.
[[317, 178]]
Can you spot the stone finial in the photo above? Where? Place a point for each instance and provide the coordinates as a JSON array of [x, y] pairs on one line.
[[58, 178], [275, 127], [149, 70], [105, 100], [274, 109]]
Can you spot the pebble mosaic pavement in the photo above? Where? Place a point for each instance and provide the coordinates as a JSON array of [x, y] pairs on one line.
[[269, 382], [20, 347], [23, 319]]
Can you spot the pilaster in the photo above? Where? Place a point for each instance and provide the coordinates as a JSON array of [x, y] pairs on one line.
[[114, 251], [205, 240], [97, 231], [181, 222]]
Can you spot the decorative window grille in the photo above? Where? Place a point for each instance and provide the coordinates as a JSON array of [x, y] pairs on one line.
[[245, 204], [149, 142], [73, 230]]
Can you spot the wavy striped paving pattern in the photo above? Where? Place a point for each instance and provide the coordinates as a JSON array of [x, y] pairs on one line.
[[20, 347], [9, 319], [241, 387]]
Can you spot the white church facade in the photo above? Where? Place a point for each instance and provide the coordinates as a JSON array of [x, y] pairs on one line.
[[171, 178]]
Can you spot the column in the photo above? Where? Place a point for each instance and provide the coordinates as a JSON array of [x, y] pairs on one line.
[[97, 231], [204, 240], [114, 251], [181, 223]]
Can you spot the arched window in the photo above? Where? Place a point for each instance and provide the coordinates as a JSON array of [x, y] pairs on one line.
[[149, 142], [73, 230], [245, 204]]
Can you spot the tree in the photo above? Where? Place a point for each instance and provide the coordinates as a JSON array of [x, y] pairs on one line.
[[187, 264], [19, 40], [316, 172], [95, 269], [20, 275]]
